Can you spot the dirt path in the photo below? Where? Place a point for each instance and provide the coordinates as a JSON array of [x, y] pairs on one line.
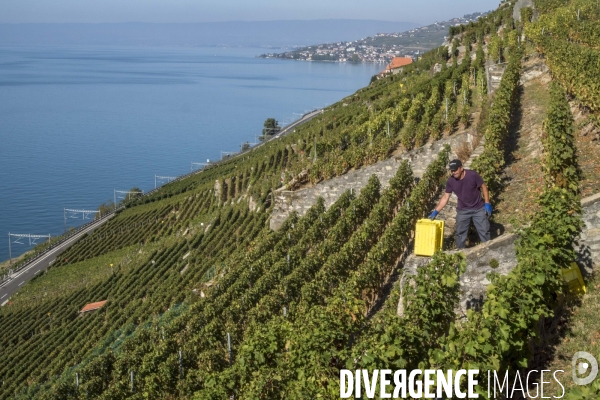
[[523, 176]]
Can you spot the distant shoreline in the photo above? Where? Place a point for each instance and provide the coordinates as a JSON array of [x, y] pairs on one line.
[[325, 61]]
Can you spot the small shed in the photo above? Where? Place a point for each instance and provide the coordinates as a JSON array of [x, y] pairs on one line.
[[92, 306]]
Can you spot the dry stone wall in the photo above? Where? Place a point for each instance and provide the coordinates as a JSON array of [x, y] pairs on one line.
[[301, 200], [494, 75], [588, 246], [518, 6]]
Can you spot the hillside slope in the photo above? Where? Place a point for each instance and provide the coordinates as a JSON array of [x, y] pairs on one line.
[[205, 301]]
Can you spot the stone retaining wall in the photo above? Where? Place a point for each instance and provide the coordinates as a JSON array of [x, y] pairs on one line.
[[301, 200], [494, 74], [518, 6], [588, 246]]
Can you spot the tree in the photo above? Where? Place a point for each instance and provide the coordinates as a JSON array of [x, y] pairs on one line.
[[104, 209], [246, 146], [134, 193], [271, 127]]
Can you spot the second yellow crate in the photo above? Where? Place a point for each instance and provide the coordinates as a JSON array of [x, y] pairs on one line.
[[574, 280]]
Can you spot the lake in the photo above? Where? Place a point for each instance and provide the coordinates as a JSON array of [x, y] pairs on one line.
[[76, 123]]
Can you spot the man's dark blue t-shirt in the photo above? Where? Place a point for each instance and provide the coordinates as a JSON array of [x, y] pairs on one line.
[[467, 190]]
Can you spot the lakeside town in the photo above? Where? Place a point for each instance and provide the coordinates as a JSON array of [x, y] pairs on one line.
[[382, 47]]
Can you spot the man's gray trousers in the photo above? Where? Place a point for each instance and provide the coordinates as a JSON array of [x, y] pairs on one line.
[[463, 220]]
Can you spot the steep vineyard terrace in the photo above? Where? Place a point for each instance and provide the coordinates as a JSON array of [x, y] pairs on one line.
[[205, 300]]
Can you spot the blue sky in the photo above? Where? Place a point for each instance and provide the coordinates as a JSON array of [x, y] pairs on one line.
[[94, 11]]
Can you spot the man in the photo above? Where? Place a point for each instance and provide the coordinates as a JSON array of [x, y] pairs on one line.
[[468, 187]]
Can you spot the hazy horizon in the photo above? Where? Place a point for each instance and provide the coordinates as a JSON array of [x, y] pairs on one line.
[[281, 33], [185, 11]]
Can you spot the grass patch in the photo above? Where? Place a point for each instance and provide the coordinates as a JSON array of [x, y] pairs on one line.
[[517, 204], [576, 327]]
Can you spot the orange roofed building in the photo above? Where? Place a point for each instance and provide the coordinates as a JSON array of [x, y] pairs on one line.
[[92, 306], [396, 65]]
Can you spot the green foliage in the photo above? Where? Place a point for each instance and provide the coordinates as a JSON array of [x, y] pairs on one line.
[[105, 208], [455, 44], [497, 337], [494, 263], [193, 265], [526, 14], [300, 356], [515, 303], [479, 56], [428, 301], [590, 392], [198, 234], [560, 159], [568, 33], [496, 49], [546, 6], [491, 162], [271, 128]]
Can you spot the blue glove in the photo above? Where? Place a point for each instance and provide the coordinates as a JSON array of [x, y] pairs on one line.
[[433, 214], [488, 209]]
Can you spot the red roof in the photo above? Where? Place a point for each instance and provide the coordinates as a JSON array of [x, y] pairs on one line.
[[398, 62], [93, 306]]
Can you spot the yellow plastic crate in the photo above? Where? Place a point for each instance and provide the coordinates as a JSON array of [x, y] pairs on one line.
[[574, 279], [429, 237]]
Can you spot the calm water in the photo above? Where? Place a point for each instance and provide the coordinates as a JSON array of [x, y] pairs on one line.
[[77, 123]]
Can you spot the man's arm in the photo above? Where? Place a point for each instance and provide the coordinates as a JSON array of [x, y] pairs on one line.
[[444, 201], [486, 193], [486, 197]]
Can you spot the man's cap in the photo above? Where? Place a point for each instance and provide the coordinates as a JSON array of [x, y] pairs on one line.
[[454, 164]]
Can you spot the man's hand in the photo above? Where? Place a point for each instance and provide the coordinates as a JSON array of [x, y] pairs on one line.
[[433, 214], [488, 209]]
